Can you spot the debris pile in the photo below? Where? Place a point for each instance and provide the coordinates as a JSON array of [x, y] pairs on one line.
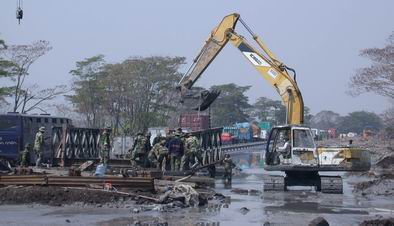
[[182, 193], [382, 222]]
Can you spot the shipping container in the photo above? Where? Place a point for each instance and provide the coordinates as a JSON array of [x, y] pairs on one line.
[[332, 133], [194, 121], [245, 132]]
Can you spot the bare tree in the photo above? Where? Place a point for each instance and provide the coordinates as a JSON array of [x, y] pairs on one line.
[[32, 98], [22, 57], [379, 77]]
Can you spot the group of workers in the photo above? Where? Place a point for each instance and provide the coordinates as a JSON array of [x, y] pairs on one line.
[[178, 151], [38, 149]]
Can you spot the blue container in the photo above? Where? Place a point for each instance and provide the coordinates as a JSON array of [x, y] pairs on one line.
[[100, 170]]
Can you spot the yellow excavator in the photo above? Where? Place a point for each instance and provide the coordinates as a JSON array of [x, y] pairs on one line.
[[290, 148]]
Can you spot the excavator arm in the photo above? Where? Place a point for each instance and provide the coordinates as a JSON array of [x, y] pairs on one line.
[[273, 71]]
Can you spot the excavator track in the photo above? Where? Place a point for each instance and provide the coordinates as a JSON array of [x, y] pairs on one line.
[[324, 184], [331, 184], [274, 183]]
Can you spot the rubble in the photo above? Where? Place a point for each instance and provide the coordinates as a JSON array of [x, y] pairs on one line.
[[319, 221], [380, 186], [183, 193], [244, 210], [378, 222]]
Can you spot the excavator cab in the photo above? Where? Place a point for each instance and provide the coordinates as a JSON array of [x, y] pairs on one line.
[[291, 146]]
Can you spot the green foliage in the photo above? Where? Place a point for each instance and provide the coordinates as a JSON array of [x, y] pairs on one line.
[[273, 111], [359, 120], [307, 116], [129, 96], [230, 106]]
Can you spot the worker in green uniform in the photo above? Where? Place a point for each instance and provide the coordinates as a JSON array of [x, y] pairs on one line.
[[228, 168], [158, 156], [191, 147], [39, 145], [25, 156], [105, 146], [138, 151]]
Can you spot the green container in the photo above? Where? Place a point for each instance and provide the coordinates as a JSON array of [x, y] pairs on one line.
[[265, 126]]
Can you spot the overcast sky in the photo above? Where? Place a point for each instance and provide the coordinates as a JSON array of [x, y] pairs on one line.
[[320, 39]]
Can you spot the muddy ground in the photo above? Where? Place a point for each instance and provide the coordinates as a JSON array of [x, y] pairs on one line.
[[367, 200], [296, 207]]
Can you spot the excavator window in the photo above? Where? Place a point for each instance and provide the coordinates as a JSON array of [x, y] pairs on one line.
[[277, 143], [302, 139]]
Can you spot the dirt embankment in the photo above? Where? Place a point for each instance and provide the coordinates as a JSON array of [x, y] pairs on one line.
[[57, 196]]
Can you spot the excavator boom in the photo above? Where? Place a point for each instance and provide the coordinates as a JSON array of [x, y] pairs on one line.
[[267, 64]]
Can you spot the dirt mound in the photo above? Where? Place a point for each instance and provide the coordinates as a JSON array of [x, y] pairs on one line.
[[381, 186], [57, 196], [386, 162], [380, 222]]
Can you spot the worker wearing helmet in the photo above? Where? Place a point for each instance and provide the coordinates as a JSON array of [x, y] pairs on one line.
[[228, 168], [39, 145], [105, 146], [25, 156], [138, 151]]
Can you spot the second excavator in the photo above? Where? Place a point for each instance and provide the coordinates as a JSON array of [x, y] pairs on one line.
[[290, 147]]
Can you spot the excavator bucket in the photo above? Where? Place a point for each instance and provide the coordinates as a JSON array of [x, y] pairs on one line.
[[199, 101], [207, 98]]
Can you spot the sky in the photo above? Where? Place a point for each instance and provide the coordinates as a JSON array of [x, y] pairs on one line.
[[321, 40]]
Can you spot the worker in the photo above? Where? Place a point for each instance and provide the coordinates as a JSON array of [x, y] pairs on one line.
[[25, 156], [228, 168], [157, 139], [158, 156], [176, 149], [148, 147], [138, 151], [105, 146], [285, 150], [191, 147], [39, 145]]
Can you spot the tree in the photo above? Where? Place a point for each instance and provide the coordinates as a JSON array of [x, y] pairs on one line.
[[129, 96], [379, 77], [274, 111], [140, 92], [88, 93], [266, 109], [325, 120], [5, 72], [230, 106], [16, 67], [359, 120]]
